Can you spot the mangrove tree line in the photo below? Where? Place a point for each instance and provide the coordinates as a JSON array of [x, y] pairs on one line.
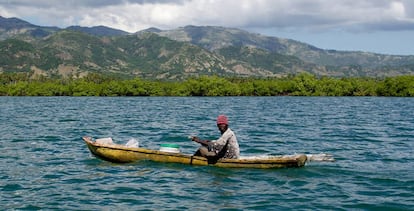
[[304, 84]]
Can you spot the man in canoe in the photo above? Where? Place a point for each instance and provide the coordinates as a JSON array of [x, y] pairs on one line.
[[225, 147]]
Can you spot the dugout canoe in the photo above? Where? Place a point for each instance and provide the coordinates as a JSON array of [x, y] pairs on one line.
[[122, 154]]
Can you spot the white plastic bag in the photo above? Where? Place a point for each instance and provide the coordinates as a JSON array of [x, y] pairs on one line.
[[132, 143], [104, 141]]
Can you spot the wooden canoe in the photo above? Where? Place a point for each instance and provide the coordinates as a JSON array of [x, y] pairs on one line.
[[122, 154]]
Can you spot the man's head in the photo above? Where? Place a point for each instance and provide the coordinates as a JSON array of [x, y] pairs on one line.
[[222, 123]]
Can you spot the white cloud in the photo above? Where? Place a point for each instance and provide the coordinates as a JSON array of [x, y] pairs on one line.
[[360, 24], [134, 15]]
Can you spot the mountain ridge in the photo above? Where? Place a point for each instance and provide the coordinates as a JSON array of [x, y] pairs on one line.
[[279, 45], [178, 53]]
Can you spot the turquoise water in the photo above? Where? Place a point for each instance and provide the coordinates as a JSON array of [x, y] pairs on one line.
[[45, 165]]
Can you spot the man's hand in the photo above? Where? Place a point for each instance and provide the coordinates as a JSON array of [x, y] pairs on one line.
[[195, 139]]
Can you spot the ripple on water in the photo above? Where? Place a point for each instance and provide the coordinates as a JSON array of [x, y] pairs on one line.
[[45, 165]]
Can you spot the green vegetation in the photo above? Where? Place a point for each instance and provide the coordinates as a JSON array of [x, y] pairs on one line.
[[178, 54], [304, 84]]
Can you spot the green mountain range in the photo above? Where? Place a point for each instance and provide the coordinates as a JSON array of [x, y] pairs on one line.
[[179, 53]]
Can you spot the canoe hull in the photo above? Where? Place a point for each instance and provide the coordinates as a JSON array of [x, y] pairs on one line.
[[122, 154]]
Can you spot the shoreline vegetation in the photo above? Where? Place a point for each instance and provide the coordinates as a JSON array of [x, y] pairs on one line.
[[303, 84]]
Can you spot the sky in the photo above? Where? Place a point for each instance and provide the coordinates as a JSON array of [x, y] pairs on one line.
[[379, 26]]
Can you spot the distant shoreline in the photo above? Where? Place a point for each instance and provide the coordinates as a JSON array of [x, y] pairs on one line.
[[304, 84]]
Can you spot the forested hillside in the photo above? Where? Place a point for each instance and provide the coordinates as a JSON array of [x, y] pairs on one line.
[[178, 54]]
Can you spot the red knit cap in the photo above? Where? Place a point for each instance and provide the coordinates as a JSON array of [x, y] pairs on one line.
[[221, 119]]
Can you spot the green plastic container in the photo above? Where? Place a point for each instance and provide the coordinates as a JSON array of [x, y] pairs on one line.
[[172, 148]]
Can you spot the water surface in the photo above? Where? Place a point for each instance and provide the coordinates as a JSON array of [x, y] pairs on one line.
[[45, 165]]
